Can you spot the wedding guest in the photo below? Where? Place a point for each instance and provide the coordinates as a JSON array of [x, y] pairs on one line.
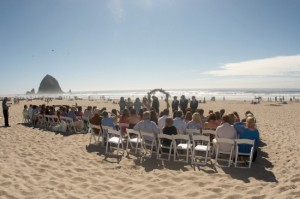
[[179, 123], [134, 119], [162, 119], [195, 123], [183, 103], [146, 125], [122, 104], [194, 104], [153, 116], [225, 130], [137, 105], [188, 116], [248, 132], [175, 104]]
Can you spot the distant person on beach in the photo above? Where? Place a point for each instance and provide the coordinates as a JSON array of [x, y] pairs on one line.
[[194, 104], [175, 104], [122, 104], [137, 105], [183, 104], [129, 103], [5, 108], [146, 103]]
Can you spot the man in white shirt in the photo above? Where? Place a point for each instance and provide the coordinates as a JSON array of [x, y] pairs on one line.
[[179, 123], [162, 120], [225, 131], [146, 125]]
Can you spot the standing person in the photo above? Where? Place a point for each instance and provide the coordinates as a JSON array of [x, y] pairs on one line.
[[129, 103], [175, 104], [194, 104], [146, 103], [137, 104], [155, 104], [183, 104], [5, 108], [122, 104]]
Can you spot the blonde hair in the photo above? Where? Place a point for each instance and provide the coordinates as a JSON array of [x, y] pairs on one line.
[[250, 122], [196, 117]]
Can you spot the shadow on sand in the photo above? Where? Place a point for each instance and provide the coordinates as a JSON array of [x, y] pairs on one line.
[[259, 169]]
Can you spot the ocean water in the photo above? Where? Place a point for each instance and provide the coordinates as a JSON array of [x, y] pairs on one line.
[[219, 94]]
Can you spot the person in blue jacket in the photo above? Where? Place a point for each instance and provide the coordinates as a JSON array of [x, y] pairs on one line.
[[248, 132]]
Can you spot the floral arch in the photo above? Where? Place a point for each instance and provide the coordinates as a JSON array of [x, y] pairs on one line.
[[150, 93]]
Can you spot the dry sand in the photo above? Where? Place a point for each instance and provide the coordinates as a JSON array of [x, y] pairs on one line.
[[41, 164]]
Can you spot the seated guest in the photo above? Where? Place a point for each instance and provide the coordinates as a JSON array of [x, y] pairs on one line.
[[134, 118], [226, 130], [179, 123], [108, 120], [218, 117], [79, 112], [188, 116], [77, 123], [211, 122], [96, 120], [247, 114], [63, 111], [153, 116], [88, 112], [169, 129], [146, 125], [203, 118], [248, 132], [124, 119], [236, 116], [196, 122], [231, 118], [162, 119]]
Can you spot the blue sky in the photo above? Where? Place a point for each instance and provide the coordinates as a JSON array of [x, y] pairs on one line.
[[145, 44]]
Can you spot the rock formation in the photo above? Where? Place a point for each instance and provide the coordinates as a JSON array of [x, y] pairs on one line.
[[32, 92], [49, 85]]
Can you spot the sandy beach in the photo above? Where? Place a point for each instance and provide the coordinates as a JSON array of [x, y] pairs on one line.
[[36, 163]]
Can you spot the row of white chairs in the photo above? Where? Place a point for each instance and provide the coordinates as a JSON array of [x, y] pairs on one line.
[[192, 146], [50, 121]]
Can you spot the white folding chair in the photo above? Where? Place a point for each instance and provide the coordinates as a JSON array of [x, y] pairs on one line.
[[148, 143], [161, 147], [219, 150], [193, 132], [52, 121], [26, 118], [183, 143], [133, 138], [201, 143], [114, 138], [93, 134], [41, 123], [237, 153], [71, 125], [211, 134]]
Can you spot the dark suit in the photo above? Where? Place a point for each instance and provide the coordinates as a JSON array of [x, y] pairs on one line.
[[194, 105]]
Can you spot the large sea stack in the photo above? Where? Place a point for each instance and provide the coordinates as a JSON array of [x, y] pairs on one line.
[[49, 85]]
